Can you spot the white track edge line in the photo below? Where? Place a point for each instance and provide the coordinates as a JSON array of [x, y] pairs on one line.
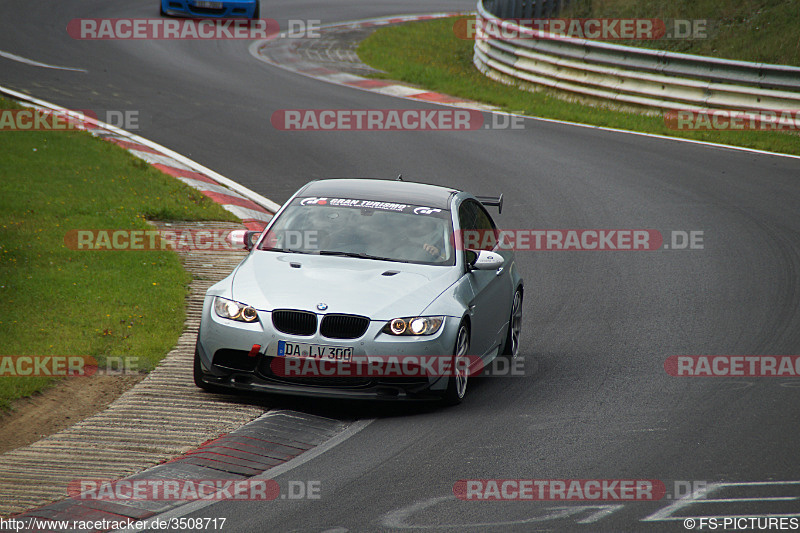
[[34, 63]]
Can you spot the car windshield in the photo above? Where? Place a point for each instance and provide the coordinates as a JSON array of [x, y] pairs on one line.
[[363, 229]]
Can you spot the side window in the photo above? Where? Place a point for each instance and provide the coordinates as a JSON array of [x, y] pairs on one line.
[[466, 216], [483, 221], [478, 231]]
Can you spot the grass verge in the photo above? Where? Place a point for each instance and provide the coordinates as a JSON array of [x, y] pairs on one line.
[[58, 301], [442, 62]]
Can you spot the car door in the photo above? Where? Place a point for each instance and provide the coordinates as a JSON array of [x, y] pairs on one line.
[[491, 289]]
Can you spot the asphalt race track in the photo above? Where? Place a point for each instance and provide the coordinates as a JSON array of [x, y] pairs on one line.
[[596, 401]]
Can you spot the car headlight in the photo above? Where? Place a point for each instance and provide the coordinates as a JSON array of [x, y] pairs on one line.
[[234, 310], [418, 325]]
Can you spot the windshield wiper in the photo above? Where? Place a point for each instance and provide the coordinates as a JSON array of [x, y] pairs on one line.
[[285, 250], [359, 255]]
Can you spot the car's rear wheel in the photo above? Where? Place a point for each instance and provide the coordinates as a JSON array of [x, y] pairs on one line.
[[511, 347], [161, 9], [457, 383], [257, 10]]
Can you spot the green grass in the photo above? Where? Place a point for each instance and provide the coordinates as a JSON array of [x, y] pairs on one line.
[[57, 301], [440, 61], [750, 30]]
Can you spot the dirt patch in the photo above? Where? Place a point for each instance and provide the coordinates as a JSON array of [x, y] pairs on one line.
[[59, 407]]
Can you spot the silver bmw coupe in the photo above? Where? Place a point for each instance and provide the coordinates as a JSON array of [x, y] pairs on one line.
[[365, 289]]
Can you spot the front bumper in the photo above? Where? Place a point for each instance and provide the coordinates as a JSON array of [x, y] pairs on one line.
[[224, 346]]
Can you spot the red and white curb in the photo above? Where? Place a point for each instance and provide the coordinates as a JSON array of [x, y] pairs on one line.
[[282, 52], [254, 209]]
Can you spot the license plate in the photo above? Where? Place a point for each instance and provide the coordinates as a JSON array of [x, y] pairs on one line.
[[208, 5], [314, 351]]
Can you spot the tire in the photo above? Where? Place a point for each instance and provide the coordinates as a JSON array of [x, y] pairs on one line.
[[161, 9], [457, 384], [257, 11], [197, 371], [511, 346]]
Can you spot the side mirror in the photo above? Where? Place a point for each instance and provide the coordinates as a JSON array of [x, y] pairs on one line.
[[250, 239], [484, 260], [246, 239]]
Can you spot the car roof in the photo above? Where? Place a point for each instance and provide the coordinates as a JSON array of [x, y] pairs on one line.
[[405, 192]]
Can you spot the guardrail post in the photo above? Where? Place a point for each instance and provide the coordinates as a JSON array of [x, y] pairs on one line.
[[511, 7], [501, 8], [517, 8], [527, 10], [537, 8]]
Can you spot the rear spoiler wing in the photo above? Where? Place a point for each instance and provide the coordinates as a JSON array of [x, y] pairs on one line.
[[494, 201]]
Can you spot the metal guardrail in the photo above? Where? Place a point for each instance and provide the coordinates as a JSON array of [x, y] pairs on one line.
[[508, 9], [623, 74]]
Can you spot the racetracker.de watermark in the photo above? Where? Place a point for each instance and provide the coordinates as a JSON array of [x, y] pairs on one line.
[[35, 119], [191, 489], [559, 489], [605, 29], [733, 120], [392, 120], [203, 240], [47, 365], [187, 29], [308, 365], [578, 240], [66, 365], [559, 239], [45, 120], [733, 365]]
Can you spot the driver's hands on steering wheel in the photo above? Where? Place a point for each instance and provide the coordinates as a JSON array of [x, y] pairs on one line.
[[432, 250]]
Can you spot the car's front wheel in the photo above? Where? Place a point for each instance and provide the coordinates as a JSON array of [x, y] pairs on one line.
[[457, 383], [257, 10], [511, 347]]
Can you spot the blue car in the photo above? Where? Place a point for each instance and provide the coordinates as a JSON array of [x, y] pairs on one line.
[[211, 8]]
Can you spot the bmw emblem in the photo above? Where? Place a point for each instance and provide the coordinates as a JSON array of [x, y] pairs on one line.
[[322, 307]]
